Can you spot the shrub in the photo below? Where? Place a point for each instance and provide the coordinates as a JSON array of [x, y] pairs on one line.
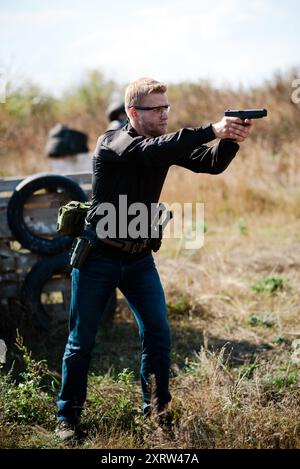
[[268, 284], [26, 401]]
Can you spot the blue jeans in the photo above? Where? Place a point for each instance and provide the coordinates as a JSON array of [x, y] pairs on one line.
[[92, 286]]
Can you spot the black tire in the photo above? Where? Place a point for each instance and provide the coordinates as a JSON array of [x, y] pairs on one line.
[[15, 209], [35, 281]]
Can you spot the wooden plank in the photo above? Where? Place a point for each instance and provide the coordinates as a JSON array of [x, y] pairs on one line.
[[57, 285], [10, 183], [9, 290], [40, 214], [7, 264], [53, 284], [12, 277], [5, 232], [81, 178], [42, 221], [57, 311], [21, 260], [19, 264], [13, 289], [45, 198], [4, 202], [24, 262], [39, 220]]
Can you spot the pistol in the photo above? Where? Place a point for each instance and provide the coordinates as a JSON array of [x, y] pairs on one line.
[[79, 252], [246, 113]]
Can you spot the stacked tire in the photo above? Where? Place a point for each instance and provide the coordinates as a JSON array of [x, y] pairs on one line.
[[54, 251]]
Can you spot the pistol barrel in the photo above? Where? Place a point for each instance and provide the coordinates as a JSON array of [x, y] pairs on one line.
[[246, 113]]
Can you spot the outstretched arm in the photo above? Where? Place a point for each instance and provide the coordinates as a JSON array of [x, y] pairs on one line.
[[212, 160]]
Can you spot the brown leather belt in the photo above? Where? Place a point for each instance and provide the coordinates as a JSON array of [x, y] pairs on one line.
[[132, 247]]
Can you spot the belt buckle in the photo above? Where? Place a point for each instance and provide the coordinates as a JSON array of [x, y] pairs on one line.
[[139, 247], [134, 248]]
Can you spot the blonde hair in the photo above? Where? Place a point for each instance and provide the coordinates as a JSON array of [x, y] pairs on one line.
[[140, 88]]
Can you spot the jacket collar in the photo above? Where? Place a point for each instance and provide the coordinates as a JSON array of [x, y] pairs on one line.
[[128, 128]]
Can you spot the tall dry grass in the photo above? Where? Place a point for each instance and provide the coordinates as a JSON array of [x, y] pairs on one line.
[[264, 176]]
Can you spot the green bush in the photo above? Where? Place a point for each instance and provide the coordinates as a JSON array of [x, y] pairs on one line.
[[112, 401], [268, 284], [260, 320], [279, 383], [180, 304], [26, 401]]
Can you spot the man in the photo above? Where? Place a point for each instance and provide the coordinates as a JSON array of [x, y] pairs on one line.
[[134, 162]]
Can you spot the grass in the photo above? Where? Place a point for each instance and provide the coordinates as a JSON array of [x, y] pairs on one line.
[[235, 357], [233, 305]]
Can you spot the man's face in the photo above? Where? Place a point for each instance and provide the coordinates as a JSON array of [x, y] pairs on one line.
[[154, 122]]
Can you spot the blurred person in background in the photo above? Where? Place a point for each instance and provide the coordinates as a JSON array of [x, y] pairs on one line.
[[116, 115], [67, 150]]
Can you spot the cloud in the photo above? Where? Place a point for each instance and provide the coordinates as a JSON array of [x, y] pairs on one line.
[[27, 19], [172, 41], [232, 41]]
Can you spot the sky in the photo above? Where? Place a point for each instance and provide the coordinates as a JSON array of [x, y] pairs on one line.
[[53, 43]]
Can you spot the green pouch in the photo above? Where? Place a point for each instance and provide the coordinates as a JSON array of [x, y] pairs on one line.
[[70, 219]]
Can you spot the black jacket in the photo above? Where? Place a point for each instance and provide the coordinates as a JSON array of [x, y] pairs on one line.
[[129, 164]]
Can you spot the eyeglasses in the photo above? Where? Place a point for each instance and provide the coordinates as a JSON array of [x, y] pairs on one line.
[[156, 109]]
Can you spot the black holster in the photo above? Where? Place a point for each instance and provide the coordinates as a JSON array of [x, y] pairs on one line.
[[80, 250], [158, 225], [82, 246]]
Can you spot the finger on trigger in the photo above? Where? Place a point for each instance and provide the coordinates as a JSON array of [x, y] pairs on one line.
[[239, 121]]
